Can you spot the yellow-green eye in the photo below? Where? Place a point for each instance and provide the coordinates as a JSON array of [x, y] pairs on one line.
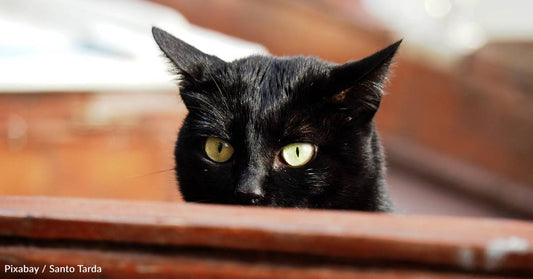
[[298, 154], [218, 150]]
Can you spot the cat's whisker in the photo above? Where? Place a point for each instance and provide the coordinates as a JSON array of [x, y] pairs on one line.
[[216, 83], [219, 90], [150, 173]]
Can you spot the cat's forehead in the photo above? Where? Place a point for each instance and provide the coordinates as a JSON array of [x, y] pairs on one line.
[[256, 92], [267, 81], [261, 69]]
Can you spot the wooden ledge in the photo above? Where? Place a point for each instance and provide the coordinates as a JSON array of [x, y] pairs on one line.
[[44, 230]]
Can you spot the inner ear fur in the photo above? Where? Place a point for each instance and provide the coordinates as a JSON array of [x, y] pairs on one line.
[[359, 84]]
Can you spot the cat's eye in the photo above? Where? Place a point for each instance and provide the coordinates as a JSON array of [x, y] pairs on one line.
[[218, 150], [298, 154]]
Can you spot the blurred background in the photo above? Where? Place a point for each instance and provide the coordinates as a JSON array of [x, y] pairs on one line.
[[88, 108]]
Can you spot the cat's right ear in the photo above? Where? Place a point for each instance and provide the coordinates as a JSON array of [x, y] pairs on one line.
[[359, 84], [190, 63]]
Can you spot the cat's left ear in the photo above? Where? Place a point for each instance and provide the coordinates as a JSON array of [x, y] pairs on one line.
[[191, 63], [359, 84]]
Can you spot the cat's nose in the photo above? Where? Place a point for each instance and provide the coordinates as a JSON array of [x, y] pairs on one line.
[[249, 195], [249, 189]]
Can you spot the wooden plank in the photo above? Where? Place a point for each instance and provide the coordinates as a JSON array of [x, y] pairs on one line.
[[490, 246], [114, 264]]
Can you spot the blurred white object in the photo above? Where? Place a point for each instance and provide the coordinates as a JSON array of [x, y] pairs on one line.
[[96, 45], [452, 28]]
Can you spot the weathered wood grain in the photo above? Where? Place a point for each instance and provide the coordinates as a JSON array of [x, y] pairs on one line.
[[384, 242]]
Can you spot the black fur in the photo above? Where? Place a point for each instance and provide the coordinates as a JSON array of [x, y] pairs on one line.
[[259, 104]]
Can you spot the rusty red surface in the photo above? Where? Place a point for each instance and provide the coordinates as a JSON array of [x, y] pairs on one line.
[[136, 265], [460, 244]]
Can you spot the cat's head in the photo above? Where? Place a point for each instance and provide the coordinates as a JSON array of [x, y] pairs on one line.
[[288, 132]]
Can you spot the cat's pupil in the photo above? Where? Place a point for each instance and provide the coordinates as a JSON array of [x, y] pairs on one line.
[[220, 146], [297, 152]]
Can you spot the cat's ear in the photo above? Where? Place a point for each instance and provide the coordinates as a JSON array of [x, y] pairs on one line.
[[359, 84], [190, 63]]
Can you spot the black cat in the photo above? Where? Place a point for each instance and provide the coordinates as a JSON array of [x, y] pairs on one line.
[[284, 132]]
